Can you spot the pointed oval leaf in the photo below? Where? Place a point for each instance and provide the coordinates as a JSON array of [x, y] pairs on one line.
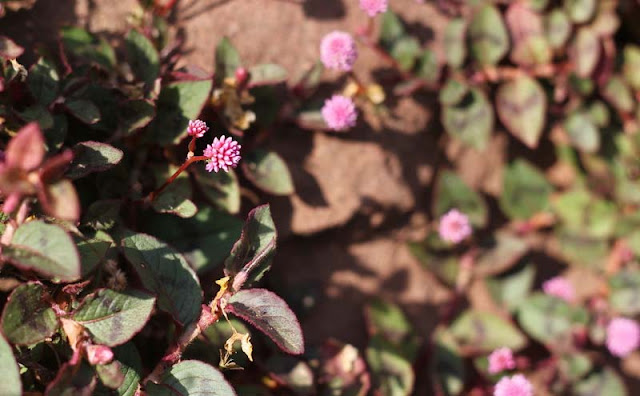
[[525, 191], [452, 192], [143, 57], [486, 331], [11, 384], [632, 65], [271, 315], [227, 59], [604, 381], [470, 120], [580, 11], [43, 81], [522, 104], [499, 252], [84, 110], [252, 253], [583, 134], [28, 317], [585, 52], [26, 149], [267, 74], [550, 319], [268, 171], [454, 42], [557, 28], [178, 103], [391, 29], [619, 94], [112, 317], [405, 50], [392, 373], [191, 377], [9, 49], [176, 199], [46, 249], [136, 114], [488, 35], [62, 201], [90, 156], [166, 273], [221, 188]]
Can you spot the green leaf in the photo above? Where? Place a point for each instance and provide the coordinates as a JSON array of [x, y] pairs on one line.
[[46, 249], [38, 113], [62, 201], [405, 50], [485, 331], [428, 66], [584, 135], [583, 250], [624, 295], [311, 120], [130, 366], [113, 318], [602, 382], [631, 65], [488, 35], [451, 192], [585, 52], [251, 254], [499, 252], [27, 317], [205, 239], [522, 104], [512, 288], [221, 188], [84, 110], [470, 120], [136, 114], [549, 319], [110, 374], [293, 373], [584, 214], [558, 28], [453, 92], [267, 74], [271, 315], [83, 44], [11, 383], [176, 199], [92, 249], [580, 11], [619, 94], [455, 43], [392, 373], [143, 57], [268, 171], [90, 157], [191, 377], [575, 366], [73, 380], [391, 29], [43, 81], [227, 59], [525, 192], [448, 366], [178, 103], [388, 320], [165, 272]]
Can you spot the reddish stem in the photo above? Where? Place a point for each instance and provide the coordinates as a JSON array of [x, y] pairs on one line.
[[154, 194]]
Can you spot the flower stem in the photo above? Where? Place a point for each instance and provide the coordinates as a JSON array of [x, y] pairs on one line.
[[154, 194]]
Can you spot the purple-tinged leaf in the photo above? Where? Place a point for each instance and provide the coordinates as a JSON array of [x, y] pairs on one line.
[[9, 49], [113, 318], [486, 331], [62, 201], [84, 110], [271, 315], [268, 171], [585, 52], [73, 380], [11, 383], [267, 74], [46, 249], [251, 255], [26, 149], [488, 35], [90, 156], [557, 28], [165, 272], [522, 104], [191, 377], [580, 11], [27, 317], [110, 374], [392, 373], [136, 114], [292, 373], [471, 120]]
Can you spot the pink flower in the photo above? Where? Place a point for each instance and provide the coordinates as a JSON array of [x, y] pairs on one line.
[[623, 336], [500, 360], [374, 7], [517, 385], [454, 226], [338, 51], [339, 113], [197, 128], [559, 287], [222, 154], [98, 354]]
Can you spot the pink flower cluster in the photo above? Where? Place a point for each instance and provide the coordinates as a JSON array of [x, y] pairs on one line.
[[623, 336], [518, 385], [223, 153], [374, 7], [338, 51], [500, 360], [454, 226], [559, 287], [197, 128], [339, 112]]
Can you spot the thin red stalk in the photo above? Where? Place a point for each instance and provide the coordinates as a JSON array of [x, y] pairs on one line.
[[154, 194]]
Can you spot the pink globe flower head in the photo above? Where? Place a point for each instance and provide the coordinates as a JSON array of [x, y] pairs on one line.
[[223, 153], [500, 360], [374, 7], [197, 128], [559, 287], [338, 51], [623, 336], [339, 112], [518, 385], [454, 226]]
